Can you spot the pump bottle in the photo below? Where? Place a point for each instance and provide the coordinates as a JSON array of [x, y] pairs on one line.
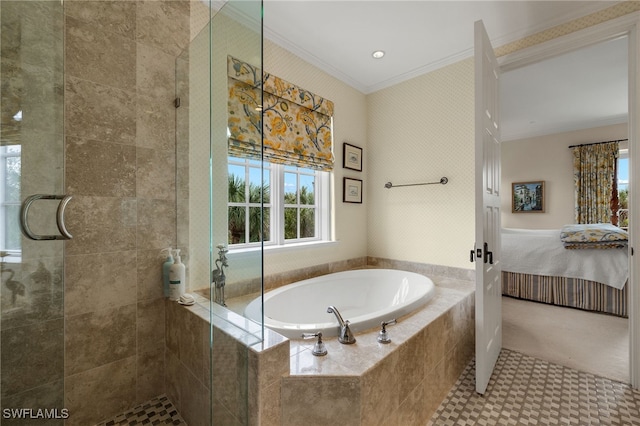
[[177, 274], [165, 270]]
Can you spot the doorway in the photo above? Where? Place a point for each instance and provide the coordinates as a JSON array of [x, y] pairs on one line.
[[610, 32]]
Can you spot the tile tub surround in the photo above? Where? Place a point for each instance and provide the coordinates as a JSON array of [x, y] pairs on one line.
[[399, 383], [241, 368], [370, 383]]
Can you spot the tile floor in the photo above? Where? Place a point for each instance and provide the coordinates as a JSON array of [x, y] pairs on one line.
[[523, 391], [527, 391], [158, 411]]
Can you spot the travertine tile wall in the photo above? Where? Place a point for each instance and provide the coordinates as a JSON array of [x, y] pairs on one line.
[[120, 168], [245, 377], [241, 384]]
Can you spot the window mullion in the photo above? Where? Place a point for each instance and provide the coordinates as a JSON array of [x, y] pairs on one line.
[[297, 204], [278, 206]]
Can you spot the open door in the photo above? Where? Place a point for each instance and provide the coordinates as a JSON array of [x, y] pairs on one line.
[[487, 247]]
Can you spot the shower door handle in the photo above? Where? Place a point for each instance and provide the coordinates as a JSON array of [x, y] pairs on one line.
[[24, 212]]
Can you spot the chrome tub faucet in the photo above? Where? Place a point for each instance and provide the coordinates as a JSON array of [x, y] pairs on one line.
[[345, 336]]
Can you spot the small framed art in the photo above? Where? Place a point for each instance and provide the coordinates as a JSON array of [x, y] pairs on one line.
[[528, 197], [352, 191], [352, 157]]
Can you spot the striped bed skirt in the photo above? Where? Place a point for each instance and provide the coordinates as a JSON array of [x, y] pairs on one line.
[[571, 292]]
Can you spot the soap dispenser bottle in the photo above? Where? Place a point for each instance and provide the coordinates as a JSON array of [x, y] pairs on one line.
[[177, 274], [165, 269]]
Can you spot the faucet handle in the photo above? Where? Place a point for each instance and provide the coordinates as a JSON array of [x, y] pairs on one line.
[[383, 337], [319, 349]]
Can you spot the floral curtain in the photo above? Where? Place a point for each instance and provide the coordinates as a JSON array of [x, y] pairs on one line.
[[594, 176], [297, 123]]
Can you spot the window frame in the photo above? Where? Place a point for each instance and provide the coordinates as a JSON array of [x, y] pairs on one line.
[[13, 254], [322, 206]]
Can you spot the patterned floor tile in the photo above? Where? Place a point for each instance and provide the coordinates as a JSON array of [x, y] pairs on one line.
[[158, 411], [527, 391]]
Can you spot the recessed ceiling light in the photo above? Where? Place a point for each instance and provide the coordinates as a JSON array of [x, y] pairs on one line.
[[378, 54]]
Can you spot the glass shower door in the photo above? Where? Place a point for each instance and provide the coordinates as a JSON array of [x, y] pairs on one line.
[[31, 272], [202, 187]]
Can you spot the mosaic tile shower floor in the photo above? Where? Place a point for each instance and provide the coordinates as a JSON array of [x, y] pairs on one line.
[[158, 411], [527, 391]]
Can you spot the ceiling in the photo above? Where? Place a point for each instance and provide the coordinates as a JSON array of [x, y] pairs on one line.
[[420, 36], [582, 89]]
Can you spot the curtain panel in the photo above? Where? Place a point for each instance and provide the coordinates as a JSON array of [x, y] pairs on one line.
[[594, 175], [297, 123]]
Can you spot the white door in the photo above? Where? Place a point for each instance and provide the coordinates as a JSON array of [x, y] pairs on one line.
[[487, 249]]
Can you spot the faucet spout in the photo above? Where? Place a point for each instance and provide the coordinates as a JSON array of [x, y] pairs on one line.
[[346, 336]]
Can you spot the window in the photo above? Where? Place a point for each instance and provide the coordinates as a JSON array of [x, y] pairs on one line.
[[295, 202], [10, 239], [623, 188]]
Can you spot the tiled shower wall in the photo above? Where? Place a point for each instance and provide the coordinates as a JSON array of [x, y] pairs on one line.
[[120, 168]]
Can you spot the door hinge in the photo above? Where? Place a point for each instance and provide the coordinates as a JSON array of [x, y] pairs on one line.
[[176, 102]]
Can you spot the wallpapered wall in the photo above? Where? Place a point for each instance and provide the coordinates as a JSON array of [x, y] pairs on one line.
[[420, 131], [349, 125], [416, 138], [349, 227], [406, 138]]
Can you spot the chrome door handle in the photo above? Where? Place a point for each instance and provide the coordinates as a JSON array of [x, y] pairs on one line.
[[24, 212], [60, 217]]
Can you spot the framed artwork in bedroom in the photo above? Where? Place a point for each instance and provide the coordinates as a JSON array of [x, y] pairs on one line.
[[527, 197]]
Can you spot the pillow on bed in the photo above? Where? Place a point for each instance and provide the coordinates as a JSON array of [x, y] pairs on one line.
[[593, 235]]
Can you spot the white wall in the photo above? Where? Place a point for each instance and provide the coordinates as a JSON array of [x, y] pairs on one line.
[[420, 131], [547, 158]]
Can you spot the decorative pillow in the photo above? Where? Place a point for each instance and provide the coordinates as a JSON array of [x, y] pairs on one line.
[[593, 235]]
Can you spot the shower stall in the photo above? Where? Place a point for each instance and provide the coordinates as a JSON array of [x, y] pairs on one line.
[[87, 125]]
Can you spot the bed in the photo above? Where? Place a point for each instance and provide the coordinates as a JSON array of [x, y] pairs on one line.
[[537, 266]]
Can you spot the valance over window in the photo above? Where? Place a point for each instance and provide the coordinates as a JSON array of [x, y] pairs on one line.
[[297, 123]]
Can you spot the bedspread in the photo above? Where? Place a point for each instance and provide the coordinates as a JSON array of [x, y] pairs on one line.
[[540, 252]]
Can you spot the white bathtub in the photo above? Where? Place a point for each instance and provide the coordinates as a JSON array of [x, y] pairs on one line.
[[365, 297]]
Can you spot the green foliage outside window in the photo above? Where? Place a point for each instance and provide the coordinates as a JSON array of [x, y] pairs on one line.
[[623, 203], [258, 220], [307, 216]]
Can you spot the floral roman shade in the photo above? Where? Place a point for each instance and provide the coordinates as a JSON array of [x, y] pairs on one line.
[[594, 176], [297, 123]]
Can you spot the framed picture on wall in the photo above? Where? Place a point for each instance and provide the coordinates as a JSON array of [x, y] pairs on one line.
[[352, 191], [352, 157], [528, 197]]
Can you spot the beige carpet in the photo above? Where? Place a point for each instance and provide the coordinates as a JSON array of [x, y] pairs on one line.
[[586, 341]]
